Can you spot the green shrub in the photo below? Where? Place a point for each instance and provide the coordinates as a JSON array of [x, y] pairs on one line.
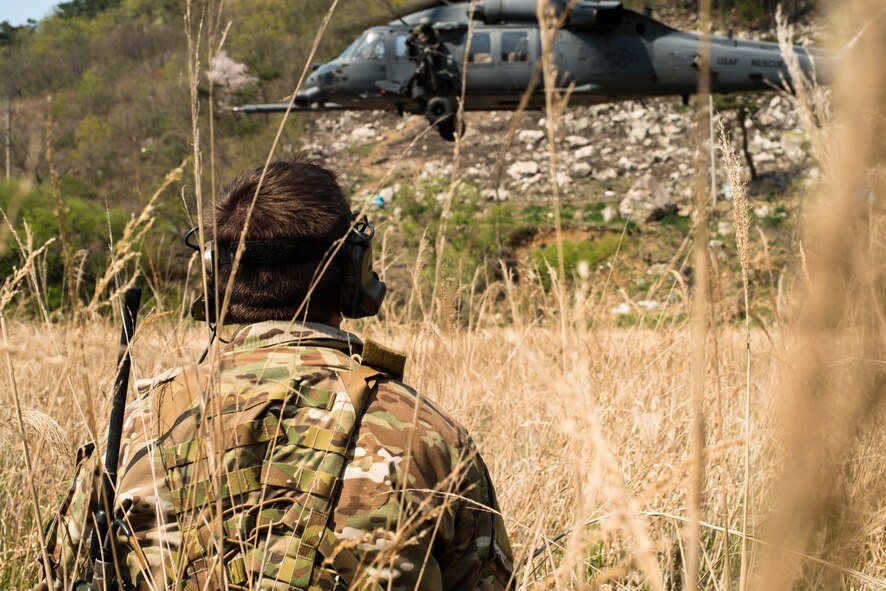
[[87, 225], [593, 252]]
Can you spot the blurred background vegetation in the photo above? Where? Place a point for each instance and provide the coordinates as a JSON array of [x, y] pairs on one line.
[[116, 72]]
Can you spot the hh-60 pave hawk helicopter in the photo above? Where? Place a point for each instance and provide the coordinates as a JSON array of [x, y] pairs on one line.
[[604, 51]]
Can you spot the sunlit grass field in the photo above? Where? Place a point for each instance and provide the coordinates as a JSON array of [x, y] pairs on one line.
[[724, 440]]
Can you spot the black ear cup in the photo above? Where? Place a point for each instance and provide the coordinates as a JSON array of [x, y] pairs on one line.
[[200, 305], [207, 300], [208, 261], [362, 290]]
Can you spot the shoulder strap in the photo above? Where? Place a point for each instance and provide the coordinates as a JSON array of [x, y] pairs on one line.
[[358, 383]]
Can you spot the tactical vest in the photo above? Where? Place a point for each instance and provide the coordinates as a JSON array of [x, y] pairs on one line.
[[254, 486]]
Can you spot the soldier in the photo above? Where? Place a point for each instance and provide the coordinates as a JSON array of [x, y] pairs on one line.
[[424, 35], [424, 49], [296, 458]]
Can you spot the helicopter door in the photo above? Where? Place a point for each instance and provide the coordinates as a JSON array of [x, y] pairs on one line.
[[566, 54], [400, 68], [516, 56], [482, 77]]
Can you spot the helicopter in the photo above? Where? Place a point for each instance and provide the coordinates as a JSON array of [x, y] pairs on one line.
[[604, 52]]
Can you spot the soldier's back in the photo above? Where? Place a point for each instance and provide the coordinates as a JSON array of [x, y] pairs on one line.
[[266, 463]]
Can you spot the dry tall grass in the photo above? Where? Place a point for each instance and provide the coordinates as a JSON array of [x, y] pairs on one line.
[[594, 439], [588, 428]]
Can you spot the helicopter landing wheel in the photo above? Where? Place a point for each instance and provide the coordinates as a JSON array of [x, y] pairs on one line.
[[438, 110], [446, 129], [441, 115]]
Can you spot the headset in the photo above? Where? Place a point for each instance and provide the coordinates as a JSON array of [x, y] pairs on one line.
[[362, 292]]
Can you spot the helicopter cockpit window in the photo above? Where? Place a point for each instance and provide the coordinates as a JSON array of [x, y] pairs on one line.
[[481, 49], [350, 48], [371, 47], [515, 47]]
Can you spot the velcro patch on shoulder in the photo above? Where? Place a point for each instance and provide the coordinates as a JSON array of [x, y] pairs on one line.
[[380, 357]]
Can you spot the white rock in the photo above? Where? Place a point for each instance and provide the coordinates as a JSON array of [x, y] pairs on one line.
[[673, 130], [608, 214], [725, 228], [581, 170], [530, 136], [496, 195], [623, 309], [792, 143], [526, 168], [606, 175], [387, 194], [763, 211], [625, 164], [577, 141], [584, 152], [639, 131], [648, 305], [363, 133], [646, 201]]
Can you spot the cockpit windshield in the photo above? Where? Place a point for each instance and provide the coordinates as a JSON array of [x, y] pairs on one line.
[[350, 48], [371, 46]]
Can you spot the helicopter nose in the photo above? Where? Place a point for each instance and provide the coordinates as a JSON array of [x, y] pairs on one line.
[[308, 97]]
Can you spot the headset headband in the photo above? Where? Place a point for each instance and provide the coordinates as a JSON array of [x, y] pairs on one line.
[[263, 252], [362, 292], [272, 252]]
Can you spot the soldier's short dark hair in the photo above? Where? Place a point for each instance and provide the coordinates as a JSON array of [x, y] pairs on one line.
[[298, 200]]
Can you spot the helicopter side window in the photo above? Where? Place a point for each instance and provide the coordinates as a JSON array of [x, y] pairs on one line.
[[401, 50], [515, 47], [371, 48], [481, 49]]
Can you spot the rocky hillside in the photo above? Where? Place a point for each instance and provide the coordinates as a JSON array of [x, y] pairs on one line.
[[600, 150], [627, 165]]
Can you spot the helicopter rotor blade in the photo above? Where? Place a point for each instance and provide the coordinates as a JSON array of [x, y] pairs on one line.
[[397, 14], [392, 14]]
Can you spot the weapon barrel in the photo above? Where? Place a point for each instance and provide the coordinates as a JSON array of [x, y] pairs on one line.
[[131, 303], [101, 540]]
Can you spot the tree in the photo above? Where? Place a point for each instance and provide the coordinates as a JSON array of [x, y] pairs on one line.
[[87, 8], [8, 32]]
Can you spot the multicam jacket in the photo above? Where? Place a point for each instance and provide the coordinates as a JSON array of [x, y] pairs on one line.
[[248, 478]]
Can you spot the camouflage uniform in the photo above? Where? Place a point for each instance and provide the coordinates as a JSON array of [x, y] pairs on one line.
[[226, 480]]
